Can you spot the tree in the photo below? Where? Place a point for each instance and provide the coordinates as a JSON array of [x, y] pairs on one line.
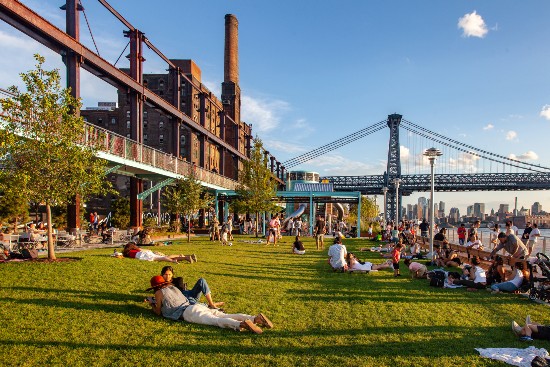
[[257, 186], [369, 212], [186, 197], [41, 147], [121, 212], [14, 207]]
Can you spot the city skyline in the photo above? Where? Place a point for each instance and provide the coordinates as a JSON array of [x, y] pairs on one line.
[[474, 71]]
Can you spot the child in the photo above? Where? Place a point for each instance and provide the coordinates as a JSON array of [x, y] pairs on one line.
[[396, 256], [225, 231]]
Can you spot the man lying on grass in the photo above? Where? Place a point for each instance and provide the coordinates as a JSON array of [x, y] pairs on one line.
[[172, 304]]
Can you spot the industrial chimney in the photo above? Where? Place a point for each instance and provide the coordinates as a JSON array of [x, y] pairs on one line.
[[231, 92]]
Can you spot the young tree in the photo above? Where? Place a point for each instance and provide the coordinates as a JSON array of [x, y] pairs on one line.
[[369, 212], [257, 186], [14, 206], [41, 146], [121, 212], [187, 197]]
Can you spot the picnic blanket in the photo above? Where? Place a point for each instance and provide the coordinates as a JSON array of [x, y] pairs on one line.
[[514, 356]]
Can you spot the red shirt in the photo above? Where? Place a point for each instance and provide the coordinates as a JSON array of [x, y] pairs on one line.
[[132, 253], [396, 255], [461, 231]]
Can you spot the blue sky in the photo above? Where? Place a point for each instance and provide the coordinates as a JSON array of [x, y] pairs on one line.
[[314, 71]]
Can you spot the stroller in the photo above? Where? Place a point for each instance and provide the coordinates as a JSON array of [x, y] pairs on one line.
[[540, 285]]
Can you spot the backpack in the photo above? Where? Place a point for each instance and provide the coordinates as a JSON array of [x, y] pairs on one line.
[[437, 278]]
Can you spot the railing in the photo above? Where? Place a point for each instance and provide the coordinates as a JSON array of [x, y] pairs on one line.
[[485, 238], [120, 146]]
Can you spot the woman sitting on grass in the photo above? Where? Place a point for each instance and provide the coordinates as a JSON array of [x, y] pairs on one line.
[[201, 286], [298, 247], [448, 257], [477, 279], [132, 251], [355, 264]]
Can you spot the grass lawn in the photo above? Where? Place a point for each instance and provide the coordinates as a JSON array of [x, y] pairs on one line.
[[91, 313]]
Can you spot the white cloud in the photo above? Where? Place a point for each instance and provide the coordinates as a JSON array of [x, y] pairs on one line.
[[404, 154], [465, 162], [545, 112], [530, 155], [472, 25], [333, 164], [511, 135], [262, 114], [283, 147], [488, 127]]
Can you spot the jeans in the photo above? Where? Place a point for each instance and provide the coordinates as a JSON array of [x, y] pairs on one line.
[[504, 287], [461, 241], [194, 294]]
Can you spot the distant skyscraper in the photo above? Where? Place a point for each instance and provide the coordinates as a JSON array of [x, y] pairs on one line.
[[470, 210], [504, 208], [454, 215], [479, 210], [536, 208], [442, 206]]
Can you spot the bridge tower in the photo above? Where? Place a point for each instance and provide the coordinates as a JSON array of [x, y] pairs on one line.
[[393, 171]]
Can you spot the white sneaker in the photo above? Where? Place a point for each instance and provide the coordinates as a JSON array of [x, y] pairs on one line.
[[230, 244], [516, 328]]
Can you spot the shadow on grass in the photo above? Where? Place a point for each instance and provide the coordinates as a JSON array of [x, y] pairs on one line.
[[422, 341]]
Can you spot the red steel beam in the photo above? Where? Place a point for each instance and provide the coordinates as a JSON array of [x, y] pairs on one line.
[[27, 21]]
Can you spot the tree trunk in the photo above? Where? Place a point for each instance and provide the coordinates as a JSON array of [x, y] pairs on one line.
[[256, 223], [51, 249], [188, 228]]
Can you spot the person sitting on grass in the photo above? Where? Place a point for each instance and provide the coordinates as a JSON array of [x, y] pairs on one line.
[[170, 303], [201, 286], [132, 251], [448, 257], [531, 330], [355, 264], [514, 284], [337, 255], [477, 279], [298, 247], [417, 270]]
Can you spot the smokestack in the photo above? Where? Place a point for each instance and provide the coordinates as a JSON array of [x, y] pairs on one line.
[[231, 52], [231, 92]]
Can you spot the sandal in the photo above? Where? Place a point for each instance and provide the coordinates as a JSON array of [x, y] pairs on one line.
[[249, 325], [265, 322]]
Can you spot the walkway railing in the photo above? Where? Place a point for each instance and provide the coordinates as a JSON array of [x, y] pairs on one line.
[[120, 146]]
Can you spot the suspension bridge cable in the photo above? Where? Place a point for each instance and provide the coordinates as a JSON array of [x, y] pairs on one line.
[[89, 28], [119, 56], [472, 147], [464, 150], [335, 144]]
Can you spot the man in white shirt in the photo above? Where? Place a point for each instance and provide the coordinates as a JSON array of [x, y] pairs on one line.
[[535, 232], [337, 255]]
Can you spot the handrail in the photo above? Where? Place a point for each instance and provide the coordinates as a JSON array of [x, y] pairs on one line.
[[120, 146]]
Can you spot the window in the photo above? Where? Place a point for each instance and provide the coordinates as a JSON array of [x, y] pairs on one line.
[[183, 139], [144, 123], [99, 121], [161, 124], [128, 113], [161, 138], [145, 82], [85, 119], [127, 124], [113, 121], [161, 83], [144, 113], [145, 137], [128, 136]]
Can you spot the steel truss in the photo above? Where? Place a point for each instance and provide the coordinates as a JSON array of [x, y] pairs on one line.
[[372, 185]]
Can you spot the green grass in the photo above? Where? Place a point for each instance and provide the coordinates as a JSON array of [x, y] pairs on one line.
[[91, 313]]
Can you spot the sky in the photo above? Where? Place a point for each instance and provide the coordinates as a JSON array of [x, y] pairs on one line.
[[314, 71]]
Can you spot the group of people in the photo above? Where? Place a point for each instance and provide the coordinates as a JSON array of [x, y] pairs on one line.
[[340, 260], [175, 302]]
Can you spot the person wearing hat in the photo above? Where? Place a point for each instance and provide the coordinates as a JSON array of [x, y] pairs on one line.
[[170, 303]]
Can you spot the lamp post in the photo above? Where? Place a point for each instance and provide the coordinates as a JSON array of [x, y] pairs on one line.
[[396, 181], [432, 154], [385, 191]]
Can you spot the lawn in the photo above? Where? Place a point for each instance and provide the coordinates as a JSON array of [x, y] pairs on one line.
[[90, 312]]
